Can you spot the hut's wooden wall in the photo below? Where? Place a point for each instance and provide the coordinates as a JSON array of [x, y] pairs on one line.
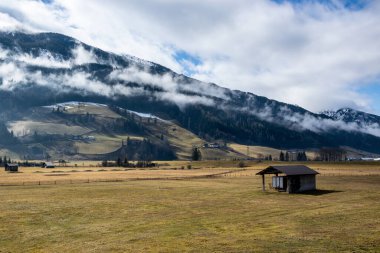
[[301, 183], [307, 183]]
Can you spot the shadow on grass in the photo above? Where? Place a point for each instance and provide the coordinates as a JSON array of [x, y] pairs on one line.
[[319, 192]]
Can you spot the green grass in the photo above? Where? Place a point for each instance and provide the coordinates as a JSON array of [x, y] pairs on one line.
[[209, 215]]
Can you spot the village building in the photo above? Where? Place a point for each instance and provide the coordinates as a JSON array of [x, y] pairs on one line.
[[211, 145], [48, 165], [291, 179], [11, 167]]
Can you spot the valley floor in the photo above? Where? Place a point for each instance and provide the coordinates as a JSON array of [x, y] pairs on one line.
[[227, 213]]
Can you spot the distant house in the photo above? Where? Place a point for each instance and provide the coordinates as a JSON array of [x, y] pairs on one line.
[[292, 179], [91, 138], [11, 167], [293, 156], [211, 145], [48, 165]]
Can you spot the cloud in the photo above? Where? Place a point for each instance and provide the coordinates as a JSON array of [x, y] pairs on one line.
[[15, 72], [167, 82], [313, 54], [10, 75], [83, 56], [46, 59], [307, 121], [7, 23]]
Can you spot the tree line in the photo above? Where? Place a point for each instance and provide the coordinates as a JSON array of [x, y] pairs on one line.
[[4, 160], [127, 164], [301, 156]]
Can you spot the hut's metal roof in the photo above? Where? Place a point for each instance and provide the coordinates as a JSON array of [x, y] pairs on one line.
[[12, 164], [291, 170]]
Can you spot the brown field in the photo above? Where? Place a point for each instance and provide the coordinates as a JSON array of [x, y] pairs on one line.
[[72, 175], [260, 152], [225, 213]]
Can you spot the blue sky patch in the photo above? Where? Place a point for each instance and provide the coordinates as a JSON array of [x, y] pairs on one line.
[[181, 56], [184, 58], [349, 4], [373, 92], [47, 1]]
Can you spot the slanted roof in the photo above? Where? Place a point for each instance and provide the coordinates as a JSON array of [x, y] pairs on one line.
[[12, 164], [290, 170]]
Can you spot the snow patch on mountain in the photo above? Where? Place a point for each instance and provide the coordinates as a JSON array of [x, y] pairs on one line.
[[351, 115], [73, 104], [138, 61], [145, 115]]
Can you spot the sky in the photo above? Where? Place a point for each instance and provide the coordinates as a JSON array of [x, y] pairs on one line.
[[318, 54]]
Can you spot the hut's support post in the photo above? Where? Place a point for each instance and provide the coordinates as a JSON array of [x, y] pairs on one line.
[[263, 177]]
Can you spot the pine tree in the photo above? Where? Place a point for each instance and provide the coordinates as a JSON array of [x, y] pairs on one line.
[[304, 156], [282, 158], [196, 154], [299, 156], [287, 156], [118, 162]]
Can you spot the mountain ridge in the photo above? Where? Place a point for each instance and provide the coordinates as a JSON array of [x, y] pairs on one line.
[[51, 68], [351, 115]]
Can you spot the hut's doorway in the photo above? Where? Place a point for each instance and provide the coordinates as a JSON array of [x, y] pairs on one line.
[[294, 184]]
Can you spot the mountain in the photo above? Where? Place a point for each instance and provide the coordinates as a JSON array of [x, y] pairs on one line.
[[47, 69], [353, 116]]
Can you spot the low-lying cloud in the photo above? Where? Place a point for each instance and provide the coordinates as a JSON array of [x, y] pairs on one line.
[[167, 82], [315, 123], [14, 73], [46, 59]]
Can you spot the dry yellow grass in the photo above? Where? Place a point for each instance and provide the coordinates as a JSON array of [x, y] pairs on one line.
[[69, 175], [223, 214], [102, 111], [46, 127], [179, 138], [260, 152], [104, 144], [255, 151]]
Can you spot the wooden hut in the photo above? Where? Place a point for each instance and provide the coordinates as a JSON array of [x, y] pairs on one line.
[[11, 167], [292, 179]]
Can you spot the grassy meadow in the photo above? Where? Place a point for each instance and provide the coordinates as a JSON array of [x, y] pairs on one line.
[[227, 213]]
